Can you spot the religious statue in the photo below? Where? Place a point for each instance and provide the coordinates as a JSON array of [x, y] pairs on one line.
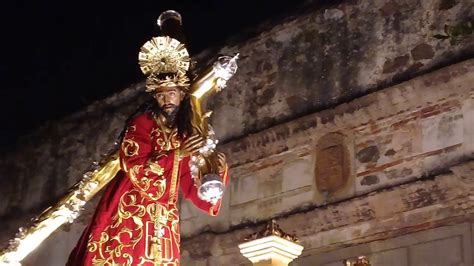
[[166, 148]]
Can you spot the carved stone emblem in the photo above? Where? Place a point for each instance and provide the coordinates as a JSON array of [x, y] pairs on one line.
[[332, 163]]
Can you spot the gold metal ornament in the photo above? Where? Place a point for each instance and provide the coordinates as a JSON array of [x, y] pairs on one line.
[[360, 261], [169, 80], [163, 55], [272, 229]]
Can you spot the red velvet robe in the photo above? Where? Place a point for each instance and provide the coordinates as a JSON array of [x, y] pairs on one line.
[[137, 220]]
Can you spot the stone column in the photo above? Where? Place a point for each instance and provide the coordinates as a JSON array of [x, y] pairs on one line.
[[271, 246]]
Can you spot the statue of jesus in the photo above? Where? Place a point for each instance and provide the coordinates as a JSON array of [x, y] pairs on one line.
[[137, 219]]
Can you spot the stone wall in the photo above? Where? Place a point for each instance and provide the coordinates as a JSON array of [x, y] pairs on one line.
[[426, 217], [398, 135], [296, 142], [333, 54], [422, 179], [329, 55]]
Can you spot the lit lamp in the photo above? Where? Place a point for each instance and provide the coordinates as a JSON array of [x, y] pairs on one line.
[[271, 246]]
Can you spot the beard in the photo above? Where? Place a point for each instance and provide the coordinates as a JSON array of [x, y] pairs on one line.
[[170, 117]]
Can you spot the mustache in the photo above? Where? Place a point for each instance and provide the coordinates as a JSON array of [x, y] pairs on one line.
[[170, 117], [170, 105]]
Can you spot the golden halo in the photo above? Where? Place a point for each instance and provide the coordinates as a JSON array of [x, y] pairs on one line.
[[163, 55]]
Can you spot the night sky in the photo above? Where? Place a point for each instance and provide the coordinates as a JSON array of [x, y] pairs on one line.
[[59, 56]]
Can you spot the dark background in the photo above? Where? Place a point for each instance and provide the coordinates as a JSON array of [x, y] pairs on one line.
[[59, 56]]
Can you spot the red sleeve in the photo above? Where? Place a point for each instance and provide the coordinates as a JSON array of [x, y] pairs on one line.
[[145, 169], [190, 190]]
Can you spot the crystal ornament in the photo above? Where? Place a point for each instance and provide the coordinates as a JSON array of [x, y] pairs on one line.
[[211, 189], [224, 68], [170, 14]]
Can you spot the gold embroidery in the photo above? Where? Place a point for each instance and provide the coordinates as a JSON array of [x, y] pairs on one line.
[[124, 165], [144, 183], [161, 189], [155, 168], [156, 248], [92, 246], [159, 249], [166, 138], [130, 147], [131, 206], [167, 237], [140, 218], [174, 179]]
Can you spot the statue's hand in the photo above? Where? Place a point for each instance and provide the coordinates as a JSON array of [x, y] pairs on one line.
[[191, 145]]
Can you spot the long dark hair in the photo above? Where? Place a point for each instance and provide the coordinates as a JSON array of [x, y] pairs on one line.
[[183, 121]]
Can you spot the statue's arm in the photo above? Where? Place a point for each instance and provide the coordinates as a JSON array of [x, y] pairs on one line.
[[189, 188]]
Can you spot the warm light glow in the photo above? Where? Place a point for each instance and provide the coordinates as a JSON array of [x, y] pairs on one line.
[[65, 211], [222, 70], [32, 241], [207, 85]]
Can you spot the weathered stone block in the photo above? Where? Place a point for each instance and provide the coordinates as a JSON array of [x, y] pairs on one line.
[[269, 184], [393, 257], [297, 174], [244, 213], [244, 189], [442, 131], [434, 253], [303, 197], [186, 210], [468, 124]]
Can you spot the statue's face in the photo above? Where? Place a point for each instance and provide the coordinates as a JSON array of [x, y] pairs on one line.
[[169, 98]]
